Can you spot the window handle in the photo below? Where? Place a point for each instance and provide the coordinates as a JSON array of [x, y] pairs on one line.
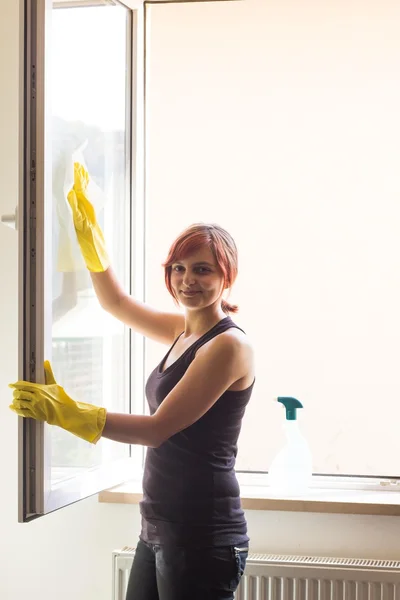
[[10, 220]]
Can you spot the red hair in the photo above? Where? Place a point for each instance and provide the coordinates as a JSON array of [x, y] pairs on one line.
[[221, 245]]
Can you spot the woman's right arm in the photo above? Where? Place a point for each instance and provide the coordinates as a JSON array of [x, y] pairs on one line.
[[158, 325]]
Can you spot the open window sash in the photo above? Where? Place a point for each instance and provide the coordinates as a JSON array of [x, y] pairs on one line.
[[64, 121]]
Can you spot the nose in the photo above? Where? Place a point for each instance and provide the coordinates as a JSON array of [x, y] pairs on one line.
[[188, 278]]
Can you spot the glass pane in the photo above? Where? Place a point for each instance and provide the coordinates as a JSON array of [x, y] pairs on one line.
[[89, 95], [286, 132]]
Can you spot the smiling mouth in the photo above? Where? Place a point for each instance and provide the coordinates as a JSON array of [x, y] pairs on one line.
[[189, 293]]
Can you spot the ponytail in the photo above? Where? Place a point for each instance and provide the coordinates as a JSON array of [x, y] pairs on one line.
[[229, 308]]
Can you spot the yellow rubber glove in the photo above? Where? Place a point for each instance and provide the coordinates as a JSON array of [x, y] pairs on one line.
[[88, 231], [49, 402]]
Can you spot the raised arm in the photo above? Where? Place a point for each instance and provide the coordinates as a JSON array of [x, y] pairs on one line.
[[160, 326], [157, 325]]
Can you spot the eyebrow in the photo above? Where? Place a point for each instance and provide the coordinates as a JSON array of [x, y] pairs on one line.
[[203, 262]]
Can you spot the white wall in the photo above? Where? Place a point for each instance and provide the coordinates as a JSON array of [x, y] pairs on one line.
[[67, 554]]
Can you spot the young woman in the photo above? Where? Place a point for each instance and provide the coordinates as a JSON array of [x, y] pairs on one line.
[[193, 543]]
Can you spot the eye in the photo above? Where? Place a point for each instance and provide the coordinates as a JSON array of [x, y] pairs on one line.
[[203, 270], [177, 268]]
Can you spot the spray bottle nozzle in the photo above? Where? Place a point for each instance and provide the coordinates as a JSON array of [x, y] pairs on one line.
[[291, 405]]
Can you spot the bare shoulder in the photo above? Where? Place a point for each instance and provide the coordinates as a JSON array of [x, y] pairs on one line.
[[237, 340], [234, 348], [232, 340]]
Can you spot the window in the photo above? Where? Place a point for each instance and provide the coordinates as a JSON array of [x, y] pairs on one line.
[[87, 91], [284, 128]]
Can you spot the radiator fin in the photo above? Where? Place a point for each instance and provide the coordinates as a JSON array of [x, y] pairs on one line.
[[357, 563], [288, 588]]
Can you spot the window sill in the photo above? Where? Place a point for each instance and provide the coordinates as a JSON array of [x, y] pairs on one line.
[[317, 500]]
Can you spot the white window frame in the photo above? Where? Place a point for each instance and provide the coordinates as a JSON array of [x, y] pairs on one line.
[[36, 495]]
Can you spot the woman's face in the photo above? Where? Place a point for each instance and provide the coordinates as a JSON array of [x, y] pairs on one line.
[[197, 279]]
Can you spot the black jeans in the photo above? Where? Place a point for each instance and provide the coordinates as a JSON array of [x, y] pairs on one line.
[[175, 573]]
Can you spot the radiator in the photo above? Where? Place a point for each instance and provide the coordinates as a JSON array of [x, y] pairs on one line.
[[274, 577]]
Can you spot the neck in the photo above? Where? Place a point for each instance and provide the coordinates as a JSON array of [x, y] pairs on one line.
[[198, 322]]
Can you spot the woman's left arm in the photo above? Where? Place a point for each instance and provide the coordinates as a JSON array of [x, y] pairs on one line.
[[217, 365], [220, 363]]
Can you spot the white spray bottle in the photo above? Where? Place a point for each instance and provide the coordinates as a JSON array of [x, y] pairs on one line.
[[291, 470]]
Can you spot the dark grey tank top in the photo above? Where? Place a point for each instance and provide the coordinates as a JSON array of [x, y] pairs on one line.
[[191, 496]]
